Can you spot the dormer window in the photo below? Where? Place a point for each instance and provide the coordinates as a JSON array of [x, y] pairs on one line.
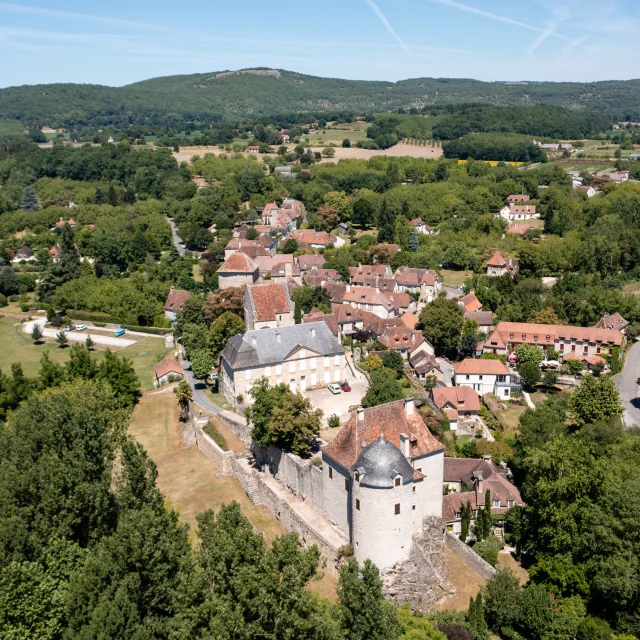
[[511, 336], [548, 338], [496, 504], [535, 337], [398, 481], [524, 336], [357, 477]]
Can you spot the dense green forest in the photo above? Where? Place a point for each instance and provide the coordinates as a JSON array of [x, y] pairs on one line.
[[209, 97]]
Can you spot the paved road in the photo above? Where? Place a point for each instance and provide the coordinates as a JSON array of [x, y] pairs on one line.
[[626, 383], [76, 336], [199, 390], [453, 292], [177, 240]]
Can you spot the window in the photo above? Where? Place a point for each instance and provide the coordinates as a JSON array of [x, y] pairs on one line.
[[511, 336], [496, 504], [357, 504], [398, 481], [357, 477], [413, 508], [535, 337], [467, 376], [396, 510], [330, 472], [598, 350], [414, 488], [524, 336], [346, 485], [548, 338], [336, 361], [510, 503], [458, 515], [326, 361], [303, 365], [562, 346], [480, 376]]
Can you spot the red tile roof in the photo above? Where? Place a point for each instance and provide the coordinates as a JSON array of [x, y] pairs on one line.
[[497, 260], [471, 302], [489, 367], [238, 263], [410, 321], [269, 300], [167, 365], [460, 398], [388, 419], [613, 321], [176, 299], [514, 332]]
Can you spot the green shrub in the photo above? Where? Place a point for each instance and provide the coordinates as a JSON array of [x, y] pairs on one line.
[[3, 301], [212, 431], [488, 549], [334, 421]]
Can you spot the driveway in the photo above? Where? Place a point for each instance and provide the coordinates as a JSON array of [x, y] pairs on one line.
[[453, 292], [626, 383], [199, 390], [177, 240], [447, 370], [338, 403], [77, 336]]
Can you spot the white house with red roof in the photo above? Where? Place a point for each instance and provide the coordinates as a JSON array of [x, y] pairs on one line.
[[519, 212], [485, 376]]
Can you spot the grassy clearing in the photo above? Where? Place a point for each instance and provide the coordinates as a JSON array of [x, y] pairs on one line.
[[220, 400], [197, 274], [185, 475], [510, 417], [17, 346], [632, 287], [466, 580], [354, 131], [454, 278], [9, 127], [507, 561]]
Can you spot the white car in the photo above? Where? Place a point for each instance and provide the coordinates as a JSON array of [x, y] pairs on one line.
[[81, 327], [335, 388]]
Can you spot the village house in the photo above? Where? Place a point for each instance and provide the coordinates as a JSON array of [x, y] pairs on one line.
[[281, 266], [421, 227], [253, 148], [375, 325], [514, 198], [485, 376], [54, 252], [385, 305], [342, 229], [613, 321], [71, 222], [319, 277], [382, 475], [468, 480], [166, 371], [330, 319], [175, 302], [406, 341], [426, 282], [425, 365], [470, 303], [457, 403], [268, 306], [348, 319], [237, 271], [24, 254], [309, 260], [582, 341], [519, 228], [483, 318], [589, 190], [251, 248], [618, 176], [302, 356], [519, 212], [369, 271], [410, 320], [315, 239], [499, 266]]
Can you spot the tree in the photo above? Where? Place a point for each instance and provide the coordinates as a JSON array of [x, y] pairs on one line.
[[252, 234], [99, 196], [545, 316], [486, 514], [184, 395], [363, 612], [120, 375], [290, 246], [402, 232], [394, 361], [476, 624], [61, 339], [282, 418], [458, 256], [386, 224], [414, 243], [222, 329], [384, 388], [530, 373], [201, 363], [328, 152], [468, 344], [529, 353], [550, 378], [363, 212], [36, 333], [9, 281], [89, 343], [441, 322], [30, 201], [465, 522], [51, 373], [574, 366], [346, 143], [595, 400], [502, 600]]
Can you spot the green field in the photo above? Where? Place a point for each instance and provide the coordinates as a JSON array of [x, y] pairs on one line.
[[354, 131], [17, 346], [10, 127]]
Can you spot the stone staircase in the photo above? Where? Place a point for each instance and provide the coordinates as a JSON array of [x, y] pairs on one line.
[[252, 490], [498, 532]]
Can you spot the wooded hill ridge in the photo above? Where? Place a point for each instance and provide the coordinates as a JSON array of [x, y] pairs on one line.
[[267, 92]]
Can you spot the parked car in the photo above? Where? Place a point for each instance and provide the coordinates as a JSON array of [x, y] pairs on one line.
[[69, 327], [81, 327], [119, 332], [345, 386], [335, 388], [213, 376]]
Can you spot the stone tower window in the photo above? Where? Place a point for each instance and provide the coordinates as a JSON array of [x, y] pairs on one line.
[[396, 509], [398, 481], [330, 472], [357, 504], [346, 485]]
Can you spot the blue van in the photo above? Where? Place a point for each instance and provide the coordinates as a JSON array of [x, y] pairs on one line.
[[119, 332]]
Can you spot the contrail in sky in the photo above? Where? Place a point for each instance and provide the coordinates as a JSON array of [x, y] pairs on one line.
[[388, 26]]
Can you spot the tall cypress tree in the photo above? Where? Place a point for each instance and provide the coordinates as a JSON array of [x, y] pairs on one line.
[[386, 224], [466, 521], [486, 514]]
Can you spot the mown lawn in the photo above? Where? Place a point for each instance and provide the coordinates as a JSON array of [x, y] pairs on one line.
[[455, 278], [17, 346]]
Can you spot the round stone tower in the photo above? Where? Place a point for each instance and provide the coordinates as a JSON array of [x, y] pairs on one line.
[[381, 504]]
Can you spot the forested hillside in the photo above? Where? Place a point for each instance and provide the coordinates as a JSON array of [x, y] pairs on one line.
[[213, 95]]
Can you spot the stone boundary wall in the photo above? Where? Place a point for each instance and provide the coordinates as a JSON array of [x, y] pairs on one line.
[[299, 476], [291, 521], [237, 425], [223, 460], [469, 556]]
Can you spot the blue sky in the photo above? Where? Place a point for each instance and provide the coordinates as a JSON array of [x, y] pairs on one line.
[[119, 42]]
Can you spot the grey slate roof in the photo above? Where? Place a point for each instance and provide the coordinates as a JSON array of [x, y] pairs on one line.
[[380, 462], [261, 346]]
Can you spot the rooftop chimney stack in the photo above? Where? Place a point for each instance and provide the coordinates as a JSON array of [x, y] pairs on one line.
[[313, 332], [278, 336], [409, 406], [360, 413], [254, 341], [404, 444], [288, 271]]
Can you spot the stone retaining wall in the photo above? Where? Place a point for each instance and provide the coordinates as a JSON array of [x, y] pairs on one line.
[[302, 478], [223, 460], [469, 556], [237, 425]]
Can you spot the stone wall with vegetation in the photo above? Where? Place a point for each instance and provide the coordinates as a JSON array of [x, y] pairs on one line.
[[469, 556]]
